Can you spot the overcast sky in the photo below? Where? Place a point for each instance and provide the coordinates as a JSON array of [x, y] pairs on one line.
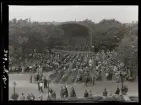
[[124, 14]]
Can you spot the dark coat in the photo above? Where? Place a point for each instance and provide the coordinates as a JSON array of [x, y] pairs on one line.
[[86, 94], [117, 91], [105, 93], [62, 93], [72, 93], [66, 92]]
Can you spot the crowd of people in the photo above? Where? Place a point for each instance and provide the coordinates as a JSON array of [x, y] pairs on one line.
[[106, 67]]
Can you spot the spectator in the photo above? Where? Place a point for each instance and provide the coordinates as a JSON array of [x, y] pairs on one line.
[[32, 97], [93, 79], [28, 97], [86, 94], [41, 97], [62, 92], [65, 91], [22, 97], [30, 78], [53, 95], [105, 92], [125, 90], [45, 82], [41, 87], [72, 93], [38, 83], [117, 91], [90, 94]]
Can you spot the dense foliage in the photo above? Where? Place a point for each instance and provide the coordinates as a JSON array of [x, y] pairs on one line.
[[26, 36]]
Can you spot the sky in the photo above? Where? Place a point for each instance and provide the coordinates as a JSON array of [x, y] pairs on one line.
[[124, 14]]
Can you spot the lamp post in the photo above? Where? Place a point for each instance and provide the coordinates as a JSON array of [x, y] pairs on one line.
[[121, 76], [48, 89], [93, 52], [14, 83]]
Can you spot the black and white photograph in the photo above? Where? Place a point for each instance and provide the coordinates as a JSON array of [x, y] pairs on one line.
[[73, 53]]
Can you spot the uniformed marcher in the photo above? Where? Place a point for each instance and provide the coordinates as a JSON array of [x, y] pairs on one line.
[[93, 80], [41, 87], [86, 81], [30, 78], [38, 84], [45, 82]]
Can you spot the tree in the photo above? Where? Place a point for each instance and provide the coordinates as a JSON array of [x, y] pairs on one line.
[[128, 51]]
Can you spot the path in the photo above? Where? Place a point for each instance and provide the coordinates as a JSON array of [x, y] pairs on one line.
[[24, 86]]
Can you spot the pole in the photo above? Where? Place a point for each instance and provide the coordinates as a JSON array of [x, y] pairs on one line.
[[122, 83], [14, 92], [48, 89], [121, 76], [14, 83]]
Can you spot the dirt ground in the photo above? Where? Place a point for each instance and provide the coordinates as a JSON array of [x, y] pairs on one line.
[[23, 86]]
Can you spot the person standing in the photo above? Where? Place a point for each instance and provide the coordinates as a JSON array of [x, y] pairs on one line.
[[106, 74], [30, 78], [86, 81], [86, 94], [117, 91], [93, 79], [66, 91], [90, 94], [45, 82], [62, 93], [38, 76], [41, 87], [38, 84], [72, 93]]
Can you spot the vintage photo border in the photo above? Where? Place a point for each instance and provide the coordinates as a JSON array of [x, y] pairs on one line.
[[5, 39]]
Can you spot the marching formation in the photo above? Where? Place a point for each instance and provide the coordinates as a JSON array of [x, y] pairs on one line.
[[77, 67]]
